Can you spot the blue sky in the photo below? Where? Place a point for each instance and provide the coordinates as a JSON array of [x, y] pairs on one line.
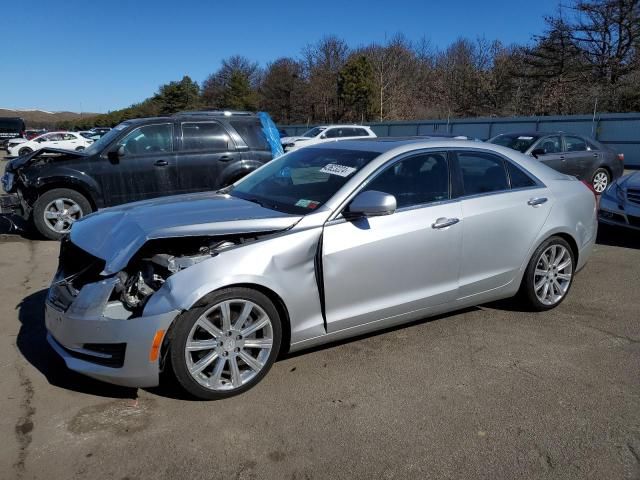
[[97, 56]]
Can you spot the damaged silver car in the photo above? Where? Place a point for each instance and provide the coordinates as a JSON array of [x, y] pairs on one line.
[[321, 244]]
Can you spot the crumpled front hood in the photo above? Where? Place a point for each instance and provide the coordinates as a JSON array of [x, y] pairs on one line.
[[18, 163], [116, 234]]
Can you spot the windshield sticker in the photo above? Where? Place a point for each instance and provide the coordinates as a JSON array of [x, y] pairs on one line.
[[335, 169], [525, 138], [307, 203]]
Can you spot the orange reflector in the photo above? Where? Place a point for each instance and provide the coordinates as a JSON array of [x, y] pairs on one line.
[[155, 346]]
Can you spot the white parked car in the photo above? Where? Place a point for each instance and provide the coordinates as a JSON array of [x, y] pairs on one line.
[[59, 140], [326, 133]]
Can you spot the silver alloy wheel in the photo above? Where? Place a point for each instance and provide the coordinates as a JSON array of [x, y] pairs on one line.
[[553, 274], [229, 345], [600, 182], [61, 213]]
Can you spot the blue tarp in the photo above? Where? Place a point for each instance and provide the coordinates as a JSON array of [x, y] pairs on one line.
[[271, 132]]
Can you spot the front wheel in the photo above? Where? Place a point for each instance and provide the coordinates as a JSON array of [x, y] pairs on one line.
[[600, 180], [24, 151], [225, 345], [549, 275], [55, 211]]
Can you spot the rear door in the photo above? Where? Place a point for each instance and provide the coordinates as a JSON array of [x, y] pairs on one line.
[[206, 148], [578, 156], [500, 222], [146, 170]]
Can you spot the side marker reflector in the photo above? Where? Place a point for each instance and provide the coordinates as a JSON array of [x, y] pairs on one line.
[[154, 353]]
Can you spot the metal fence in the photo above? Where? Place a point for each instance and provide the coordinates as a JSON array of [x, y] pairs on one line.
[[620, 131]]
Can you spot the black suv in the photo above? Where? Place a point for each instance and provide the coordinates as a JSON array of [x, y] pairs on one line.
[[137, 160], [10, 127]]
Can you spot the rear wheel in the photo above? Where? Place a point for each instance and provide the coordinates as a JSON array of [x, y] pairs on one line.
[[226, 345], [549, 275], [600, 180], [24, 151], [55, 211], [79, 149]]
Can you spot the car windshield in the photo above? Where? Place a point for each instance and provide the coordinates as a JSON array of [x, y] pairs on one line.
[[520, 142], [106, 139], [314, 132], [302, 181]]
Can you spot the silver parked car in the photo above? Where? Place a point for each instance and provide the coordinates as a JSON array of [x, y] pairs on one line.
[[577, 155], [321, 244], [620, 203]]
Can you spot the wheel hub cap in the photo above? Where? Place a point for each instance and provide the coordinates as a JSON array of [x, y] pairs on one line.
[[553, 274], [229, 345]]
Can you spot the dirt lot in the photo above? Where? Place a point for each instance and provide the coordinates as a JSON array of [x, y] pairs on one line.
[[491, 392]]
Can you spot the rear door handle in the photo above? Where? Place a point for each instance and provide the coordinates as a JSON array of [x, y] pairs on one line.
[[161, 163], [444, 222], [534, 202], [225, 158], [562, 157]]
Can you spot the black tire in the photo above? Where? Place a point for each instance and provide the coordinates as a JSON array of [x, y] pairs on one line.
[[527, 291], [24, 151], [598, 175], [181, 328], [38, 214]]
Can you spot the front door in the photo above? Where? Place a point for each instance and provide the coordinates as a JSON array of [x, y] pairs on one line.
[[382, 267], [554, 155], [147, 168]]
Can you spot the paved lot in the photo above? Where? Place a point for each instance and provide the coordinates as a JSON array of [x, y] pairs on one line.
[[487, 393]]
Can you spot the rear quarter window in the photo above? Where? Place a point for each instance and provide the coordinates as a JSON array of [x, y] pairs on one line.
[[251, 133]]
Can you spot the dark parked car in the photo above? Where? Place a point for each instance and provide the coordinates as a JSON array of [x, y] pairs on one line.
[[568, 153], [137, 160], [10, 127]]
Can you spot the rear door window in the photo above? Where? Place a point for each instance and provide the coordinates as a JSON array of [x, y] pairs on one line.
[[208, 136], [482, 173], [251, 133], [575, 144], [519, 179]]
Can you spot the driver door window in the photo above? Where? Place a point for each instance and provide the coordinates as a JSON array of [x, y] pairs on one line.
[[149, 140], [550, 145], [415, 180]]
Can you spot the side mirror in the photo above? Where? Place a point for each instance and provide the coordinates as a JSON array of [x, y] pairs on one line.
[[371, 204], [323, 136], [538, 151], [115, 155]]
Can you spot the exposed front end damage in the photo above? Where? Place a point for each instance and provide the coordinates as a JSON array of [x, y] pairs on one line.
[[103, 323]]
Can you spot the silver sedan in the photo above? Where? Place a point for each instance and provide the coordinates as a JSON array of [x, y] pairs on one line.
[[323, 243]]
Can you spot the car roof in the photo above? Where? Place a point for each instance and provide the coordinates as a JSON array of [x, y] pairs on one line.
[[385, 144]]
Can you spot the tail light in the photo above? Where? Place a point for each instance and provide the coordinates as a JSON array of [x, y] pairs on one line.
[[621, 157]]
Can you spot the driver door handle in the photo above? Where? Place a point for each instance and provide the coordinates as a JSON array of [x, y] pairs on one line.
[[161, 163], [444, 222], [534, 202]]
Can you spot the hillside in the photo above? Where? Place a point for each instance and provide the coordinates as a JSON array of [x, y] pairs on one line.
[[42, 118]]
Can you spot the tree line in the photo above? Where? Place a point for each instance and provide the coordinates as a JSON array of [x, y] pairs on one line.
[[587, 59]]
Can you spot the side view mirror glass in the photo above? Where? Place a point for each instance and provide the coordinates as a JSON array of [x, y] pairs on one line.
[[371, 204], [538, 151]]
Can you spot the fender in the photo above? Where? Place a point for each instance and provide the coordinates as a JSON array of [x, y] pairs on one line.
[[70, 178], [283, 264]]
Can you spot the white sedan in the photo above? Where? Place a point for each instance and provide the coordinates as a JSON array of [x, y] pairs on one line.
[[59, 140], [326, 133]]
